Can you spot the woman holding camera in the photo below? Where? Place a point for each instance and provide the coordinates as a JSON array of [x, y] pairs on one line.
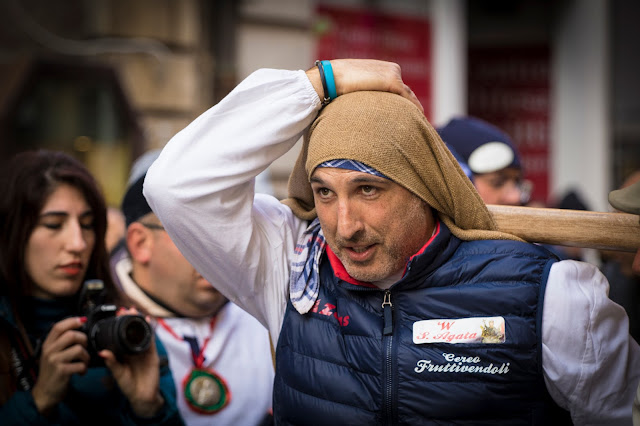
[[52, 228]]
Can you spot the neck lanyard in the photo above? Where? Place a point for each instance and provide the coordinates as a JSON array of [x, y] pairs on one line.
[[198, 358], [204, 390]]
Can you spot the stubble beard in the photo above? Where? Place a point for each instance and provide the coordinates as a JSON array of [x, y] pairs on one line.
[[387, 261]]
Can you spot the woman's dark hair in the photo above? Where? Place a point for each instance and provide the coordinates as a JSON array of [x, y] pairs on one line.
[[26, 181]]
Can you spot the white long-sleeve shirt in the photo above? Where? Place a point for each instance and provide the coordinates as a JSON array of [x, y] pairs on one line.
[[201, 187]]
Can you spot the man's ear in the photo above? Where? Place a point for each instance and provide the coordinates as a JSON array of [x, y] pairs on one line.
[[139, 242]]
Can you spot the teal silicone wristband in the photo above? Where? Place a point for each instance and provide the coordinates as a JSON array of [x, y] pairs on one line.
[[331, 82]]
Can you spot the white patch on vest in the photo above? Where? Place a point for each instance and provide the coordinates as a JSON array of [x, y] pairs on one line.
[[461, 330], [460, 364], [490, 157]]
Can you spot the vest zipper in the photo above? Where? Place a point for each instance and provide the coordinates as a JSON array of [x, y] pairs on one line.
[[388, 314], [387, 336]]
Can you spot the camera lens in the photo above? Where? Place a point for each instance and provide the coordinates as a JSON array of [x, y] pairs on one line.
[[123, 335], [135, 333]]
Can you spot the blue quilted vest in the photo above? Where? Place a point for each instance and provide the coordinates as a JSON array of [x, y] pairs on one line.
[[352, 361]]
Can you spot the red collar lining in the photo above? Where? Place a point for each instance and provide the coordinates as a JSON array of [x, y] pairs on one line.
[[341, 272]]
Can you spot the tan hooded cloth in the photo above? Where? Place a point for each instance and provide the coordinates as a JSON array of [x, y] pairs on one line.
[[389, 133]]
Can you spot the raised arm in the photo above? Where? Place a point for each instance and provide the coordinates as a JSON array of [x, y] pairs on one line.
[[201, 186]]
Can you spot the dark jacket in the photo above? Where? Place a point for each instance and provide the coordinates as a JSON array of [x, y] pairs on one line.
[[350, 362], [93, 398]]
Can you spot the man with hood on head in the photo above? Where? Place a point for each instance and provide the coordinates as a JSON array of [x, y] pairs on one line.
[[389, 292]]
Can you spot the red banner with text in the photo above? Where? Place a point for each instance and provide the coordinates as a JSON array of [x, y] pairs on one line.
[[358, 33], [509, 87]]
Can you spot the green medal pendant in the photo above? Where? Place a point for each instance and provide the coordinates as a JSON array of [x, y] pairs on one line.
[[205, 391]]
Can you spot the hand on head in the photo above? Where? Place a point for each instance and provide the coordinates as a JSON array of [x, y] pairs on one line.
[[353, 75]]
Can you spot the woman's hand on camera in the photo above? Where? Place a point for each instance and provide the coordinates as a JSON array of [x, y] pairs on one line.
[[63, 354], [138, 376]]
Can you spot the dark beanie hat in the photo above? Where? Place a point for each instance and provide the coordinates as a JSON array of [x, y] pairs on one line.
[[134, 205], [483, 147]]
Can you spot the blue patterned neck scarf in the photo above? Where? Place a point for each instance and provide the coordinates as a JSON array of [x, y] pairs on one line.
[[305, 268]]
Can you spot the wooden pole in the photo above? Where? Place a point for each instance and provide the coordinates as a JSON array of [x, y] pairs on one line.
[[574, 228]]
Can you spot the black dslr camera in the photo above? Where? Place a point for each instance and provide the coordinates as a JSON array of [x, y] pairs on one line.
[[122, 335]]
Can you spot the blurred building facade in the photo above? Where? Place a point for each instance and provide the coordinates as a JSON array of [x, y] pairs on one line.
[[108, 79]]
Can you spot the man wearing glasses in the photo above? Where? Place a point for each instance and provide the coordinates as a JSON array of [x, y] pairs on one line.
[[492, 158], [218, 354]]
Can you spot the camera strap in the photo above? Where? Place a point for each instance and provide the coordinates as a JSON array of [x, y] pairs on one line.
[[23, 362], [205, 391]]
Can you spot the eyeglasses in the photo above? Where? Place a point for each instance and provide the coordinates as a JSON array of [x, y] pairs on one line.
[[507, 181], [526, 189], [152, 226]]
